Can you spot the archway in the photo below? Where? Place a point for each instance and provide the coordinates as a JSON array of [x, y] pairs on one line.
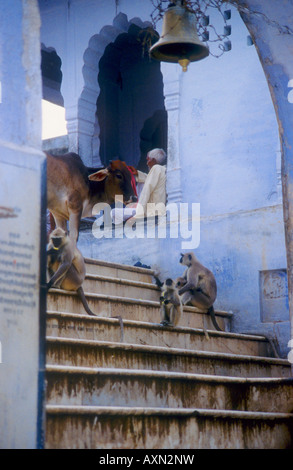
[[51, 75], [123, 89], [131, 92], [53, 112]]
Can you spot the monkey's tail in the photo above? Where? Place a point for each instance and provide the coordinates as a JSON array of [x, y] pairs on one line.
[[205, 328], [121, 327], [273, 342], [211, 312], [81, 295]]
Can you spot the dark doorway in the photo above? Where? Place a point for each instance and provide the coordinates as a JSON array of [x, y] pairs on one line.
[[130, 108], [51, 76]]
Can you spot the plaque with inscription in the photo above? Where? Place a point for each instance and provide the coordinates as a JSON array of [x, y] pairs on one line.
[[20, 305], [274, 295]]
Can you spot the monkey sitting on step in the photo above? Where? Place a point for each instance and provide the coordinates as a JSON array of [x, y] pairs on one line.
[[66, 266], [197, 286], [171, 306]]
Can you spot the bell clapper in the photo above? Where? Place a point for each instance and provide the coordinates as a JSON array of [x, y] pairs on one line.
[[184, 64]]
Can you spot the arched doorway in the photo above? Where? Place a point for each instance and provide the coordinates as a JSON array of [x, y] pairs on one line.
[[130, 114], [53, 111], [51, 75], [105, 62]]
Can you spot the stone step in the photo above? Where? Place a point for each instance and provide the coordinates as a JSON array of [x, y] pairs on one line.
[[121, 287], [134, 332], [79, 386], [85, 353], [131, 309], [116, 270], [96, 427], [142, 385]]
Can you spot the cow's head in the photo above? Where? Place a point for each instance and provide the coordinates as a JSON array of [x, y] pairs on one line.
[[118, 181]]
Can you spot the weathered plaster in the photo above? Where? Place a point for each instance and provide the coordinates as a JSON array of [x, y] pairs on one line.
[[273, 36]]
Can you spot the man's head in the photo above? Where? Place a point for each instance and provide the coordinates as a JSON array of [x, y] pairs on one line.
[[156, 157]]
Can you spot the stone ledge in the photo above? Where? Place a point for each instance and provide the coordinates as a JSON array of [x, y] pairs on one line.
[[166, 350], [117, 280], [178, 412], [130, 300], [124, 267], [140, 324], [220, 379]]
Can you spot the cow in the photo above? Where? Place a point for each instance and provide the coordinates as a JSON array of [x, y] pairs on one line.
[[73, 188]]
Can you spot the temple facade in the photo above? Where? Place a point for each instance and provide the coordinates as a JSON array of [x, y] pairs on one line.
[[218, 125]]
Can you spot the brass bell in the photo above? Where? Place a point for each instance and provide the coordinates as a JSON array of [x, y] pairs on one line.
[[179, 41]]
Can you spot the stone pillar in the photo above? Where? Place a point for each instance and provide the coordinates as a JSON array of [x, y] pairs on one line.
[[22, 228]]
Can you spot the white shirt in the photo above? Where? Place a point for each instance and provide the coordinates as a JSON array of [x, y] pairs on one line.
[[154, 191]]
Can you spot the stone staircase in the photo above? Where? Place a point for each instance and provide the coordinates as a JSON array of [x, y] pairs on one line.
[[140, 385]]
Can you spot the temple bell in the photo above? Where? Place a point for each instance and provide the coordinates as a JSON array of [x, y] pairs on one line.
[[179, 41]]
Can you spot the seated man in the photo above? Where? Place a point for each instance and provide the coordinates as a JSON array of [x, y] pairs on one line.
[[154, 190]]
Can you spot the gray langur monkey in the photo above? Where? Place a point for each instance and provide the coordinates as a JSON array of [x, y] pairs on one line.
[[65, 265], [197, 286], [171, 306]]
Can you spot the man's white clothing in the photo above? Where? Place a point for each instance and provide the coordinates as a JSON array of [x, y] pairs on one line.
[[152, 200]]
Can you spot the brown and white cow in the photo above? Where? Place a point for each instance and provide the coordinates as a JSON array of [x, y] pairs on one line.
[[73, 189]]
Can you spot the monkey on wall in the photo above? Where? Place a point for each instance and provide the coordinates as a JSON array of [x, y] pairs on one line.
[[65, 265], [171, 306], [197, 286]]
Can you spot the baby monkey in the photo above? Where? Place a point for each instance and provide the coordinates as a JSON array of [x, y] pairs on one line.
[[66, 266], [171, 306]]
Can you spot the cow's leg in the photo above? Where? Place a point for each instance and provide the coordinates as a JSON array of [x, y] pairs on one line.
[[50, 223], [60, 222], [74, 221], [75, 211]]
